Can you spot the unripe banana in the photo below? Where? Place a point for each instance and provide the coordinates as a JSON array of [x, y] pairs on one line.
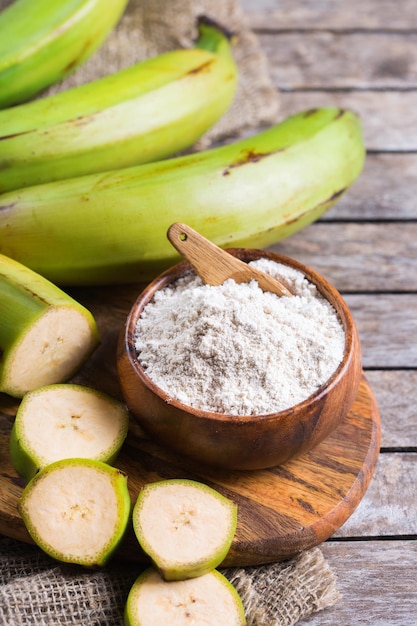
[[111, 228], [44, 40], [143, 113], [45, 335]]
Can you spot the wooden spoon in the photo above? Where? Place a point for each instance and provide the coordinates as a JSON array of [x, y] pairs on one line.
[[214, 265]]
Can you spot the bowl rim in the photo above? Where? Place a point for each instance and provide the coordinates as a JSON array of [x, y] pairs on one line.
[[182, 269]]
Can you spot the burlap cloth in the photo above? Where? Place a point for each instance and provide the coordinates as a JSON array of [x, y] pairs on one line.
[[36, 590]]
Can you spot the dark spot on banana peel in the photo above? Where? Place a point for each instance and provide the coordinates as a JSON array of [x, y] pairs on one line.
[[32, 294], [71, 65], [296, 218], [310, 112], [340, 114], [249, 156], [7, 207], [334, 196], [76, 61], [82, 120], [11, 136], [201, 68], [329, 200], [337, 194]]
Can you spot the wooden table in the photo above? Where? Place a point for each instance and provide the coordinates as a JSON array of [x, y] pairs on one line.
[[362, 55]]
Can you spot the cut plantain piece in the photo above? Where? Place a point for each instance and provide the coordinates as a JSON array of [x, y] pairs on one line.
[[77, 510], [210, 600], [184, 526], [63, 421], [45, 335]]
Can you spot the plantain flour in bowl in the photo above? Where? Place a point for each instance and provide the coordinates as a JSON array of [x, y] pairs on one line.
[[237, 350]]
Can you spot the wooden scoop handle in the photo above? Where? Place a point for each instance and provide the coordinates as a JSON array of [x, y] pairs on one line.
[[214, 265]]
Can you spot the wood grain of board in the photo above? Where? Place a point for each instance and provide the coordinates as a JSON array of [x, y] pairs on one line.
[[348, 60], [281, 511]]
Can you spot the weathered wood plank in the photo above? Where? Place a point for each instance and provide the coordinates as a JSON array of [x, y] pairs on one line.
[[386, 190], [389, 506], [377, 583], [396, 395], [387, 325], [358, 257], [334, 14], [389, 118], [348, 60]]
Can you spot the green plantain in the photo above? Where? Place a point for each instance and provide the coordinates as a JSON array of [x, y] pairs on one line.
[[45, 335], [111, 227], [143, 113], [42, 41]]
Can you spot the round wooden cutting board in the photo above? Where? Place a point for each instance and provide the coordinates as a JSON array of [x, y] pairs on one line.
[[281, 511]]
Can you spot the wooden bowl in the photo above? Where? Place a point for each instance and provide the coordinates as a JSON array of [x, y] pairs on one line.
[[239, 442]]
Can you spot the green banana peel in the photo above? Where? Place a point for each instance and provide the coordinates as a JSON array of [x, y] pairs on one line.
[[42, 42], [146, 112], [111, 228]]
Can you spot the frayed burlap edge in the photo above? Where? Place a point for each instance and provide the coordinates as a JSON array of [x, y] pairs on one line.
[[283, 593]]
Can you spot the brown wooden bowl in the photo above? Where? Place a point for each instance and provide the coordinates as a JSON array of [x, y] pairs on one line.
[[239, 442]]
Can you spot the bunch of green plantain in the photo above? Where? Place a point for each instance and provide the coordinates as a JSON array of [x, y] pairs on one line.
[[90, 185], [143, 113]]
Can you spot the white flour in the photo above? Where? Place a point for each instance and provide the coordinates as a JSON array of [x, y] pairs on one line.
[[237, 350]]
